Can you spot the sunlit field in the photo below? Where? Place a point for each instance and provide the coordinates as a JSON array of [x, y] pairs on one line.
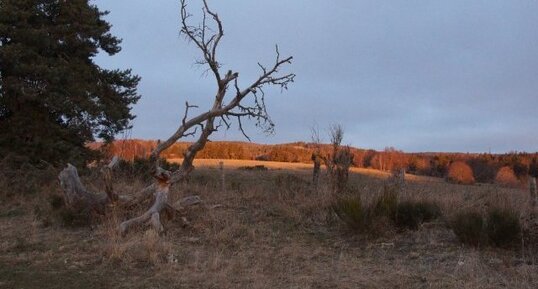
[[264, 229], [300, 168]]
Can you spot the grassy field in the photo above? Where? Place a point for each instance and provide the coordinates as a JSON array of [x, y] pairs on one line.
[[296, 167], [266, 229]]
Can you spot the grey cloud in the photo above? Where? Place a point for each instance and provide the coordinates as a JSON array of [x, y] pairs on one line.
[[417, 75]]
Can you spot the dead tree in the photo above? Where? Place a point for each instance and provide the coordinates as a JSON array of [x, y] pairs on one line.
[[230, 103], [338, 161]]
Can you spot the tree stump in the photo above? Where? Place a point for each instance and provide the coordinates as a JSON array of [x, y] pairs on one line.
[[76, 196]]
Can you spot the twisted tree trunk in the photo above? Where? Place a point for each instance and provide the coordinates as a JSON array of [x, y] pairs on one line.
[[154, 212], [243, 103]]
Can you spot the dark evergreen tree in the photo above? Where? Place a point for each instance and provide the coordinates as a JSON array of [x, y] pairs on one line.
[[53, 97]]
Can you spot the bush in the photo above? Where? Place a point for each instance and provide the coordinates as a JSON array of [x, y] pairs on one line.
[[469, 228], [502, 227], [506, 177], [290, 183], [429, 211], [533, 168], [351, 211], [384, 212], [62, 214], [142, 168], [387, 204], [411, 214], [460, 173], [24, 176], [407, 216], [254, 168], [56, 202]]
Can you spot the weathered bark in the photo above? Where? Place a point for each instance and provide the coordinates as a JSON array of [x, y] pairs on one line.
[[161, 205], [149, 191], [75, 194], [107, 176], [81, 200], [154, 213]]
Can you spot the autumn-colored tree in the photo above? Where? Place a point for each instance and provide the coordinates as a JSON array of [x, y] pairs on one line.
[[485, 167], [506, 177], [439, 165], [368, 159], [461, 173], [418, 165]]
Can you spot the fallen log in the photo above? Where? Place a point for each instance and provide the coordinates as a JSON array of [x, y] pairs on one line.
[[153, 214], [79, 199]]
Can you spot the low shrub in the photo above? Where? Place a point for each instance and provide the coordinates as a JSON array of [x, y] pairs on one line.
[[384, 212], [290, 183], [429, 210], [469, 227], [70, 218], [387, 204], [24, 176], [59, 213], [56, 202], [410, 215], [142, 168], [351, 211], [502, 227], [253, 168]]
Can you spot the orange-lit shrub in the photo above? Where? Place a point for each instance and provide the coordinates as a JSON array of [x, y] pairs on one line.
[[506, 177], [461, 173]]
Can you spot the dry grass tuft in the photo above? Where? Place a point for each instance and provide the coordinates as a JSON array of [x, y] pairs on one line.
[[266, 229], [142, 247]]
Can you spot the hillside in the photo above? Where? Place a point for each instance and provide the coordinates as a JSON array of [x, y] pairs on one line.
[[485, 166]]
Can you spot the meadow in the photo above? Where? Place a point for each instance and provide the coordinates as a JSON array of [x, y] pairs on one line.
[[267, 227]]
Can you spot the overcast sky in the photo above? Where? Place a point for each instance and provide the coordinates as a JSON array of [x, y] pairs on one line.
[[416, 75]]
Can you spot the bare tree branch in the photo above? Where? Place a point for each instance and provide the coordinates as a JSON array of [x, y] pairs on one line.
[[244, 103]]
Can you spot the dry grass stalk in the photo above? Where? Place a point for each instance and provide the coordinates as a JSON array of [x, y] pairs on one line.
[[271, 231], [222, 177], [532, 191]]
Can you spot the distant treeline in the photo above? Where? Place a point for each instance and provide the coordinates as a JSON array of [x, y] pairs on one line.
[[485, 166]]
